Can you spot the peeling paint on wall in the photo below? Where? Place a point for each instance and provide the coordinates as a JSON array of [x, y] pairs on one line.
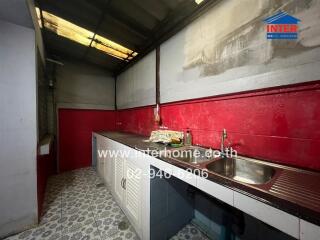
[[136, 86], [233, 35], [310, 25]]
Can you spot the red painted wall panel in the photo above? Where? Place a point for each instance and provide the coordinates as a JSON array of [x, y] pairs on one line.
[[137, 120], [75, 132], [280, 125], [46, 166]]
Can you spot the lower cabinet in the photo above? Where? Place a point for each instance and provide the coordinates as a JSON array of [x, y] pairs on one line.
[[309, 231], [132, 193], [216, 190], [127, 175], [281, 220], [104, 159], [100, 157], [118, 178], [107, 162], [127, 188]]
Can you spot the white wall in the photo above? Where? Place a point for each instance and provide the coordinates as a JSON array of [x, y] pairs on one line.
[[84, 86], [18, 128], [137, 85], [226, 51], [16, 11]]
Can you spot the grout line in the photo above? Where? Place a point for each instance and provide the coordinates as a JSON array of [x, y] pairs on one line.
[[94, 216], [61, 227]]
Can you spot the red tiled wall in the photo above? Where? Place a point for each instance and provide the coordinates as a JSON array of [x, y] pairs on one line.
[[137, 120], [281, 125], [75, 133]]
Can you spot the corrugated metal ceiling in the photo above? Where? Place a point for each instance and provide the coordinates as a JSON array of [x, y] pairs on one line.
[[136, 24]]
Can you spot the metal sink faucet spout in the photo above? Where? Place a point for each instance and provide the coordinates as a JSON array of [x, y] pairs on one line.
[[223, 138]]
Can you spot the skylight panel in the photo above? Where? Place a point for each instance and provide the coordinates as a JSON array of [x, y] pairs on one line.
[[67, 29], [198, 1], [83, 36], [39, 17], [111, 47]]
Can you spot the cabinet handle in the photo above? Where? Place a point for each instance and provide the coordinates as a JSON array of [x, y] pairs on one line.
[[124, 184]]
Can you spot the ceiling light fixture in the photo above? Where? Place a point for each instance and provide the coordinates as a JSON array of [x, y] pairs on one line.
[[83, 36]]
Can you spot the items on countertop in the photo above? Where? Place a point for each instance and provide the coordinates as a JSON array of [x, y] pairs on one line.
[[166, 137], [188, 138], [176, 145], [157, 114]]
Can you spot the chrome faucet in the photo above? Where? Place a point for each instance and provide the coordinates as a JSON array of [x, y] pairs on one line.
[[223, 138]]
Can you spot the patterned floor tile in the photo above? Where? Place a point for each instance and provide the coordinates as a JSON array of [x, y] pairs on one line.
[[76, 220], [108, 224], [121, 235], [103, 208], [85, 232], [51, 216], [98, 194], [78, 207], [47, 231], [190, 232]]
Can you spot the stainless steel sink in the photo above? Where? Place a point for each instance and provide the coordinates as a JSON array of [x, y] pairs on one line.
[[146, 148], [242, 170], [191, 154]]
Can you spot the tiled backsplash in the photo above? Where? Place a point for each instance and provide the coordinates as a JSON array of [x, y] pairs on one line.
[[280, 125], [136, 120]]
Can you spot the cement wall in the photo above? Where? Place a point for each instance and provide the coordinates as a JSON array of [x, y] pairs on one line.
[[226, 51], [137, 85], [42, 96], [84, 86], [18, 128]]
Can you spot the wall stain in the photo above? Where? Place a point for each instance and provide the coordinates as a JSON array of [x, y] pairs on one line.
[[246, 44]]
